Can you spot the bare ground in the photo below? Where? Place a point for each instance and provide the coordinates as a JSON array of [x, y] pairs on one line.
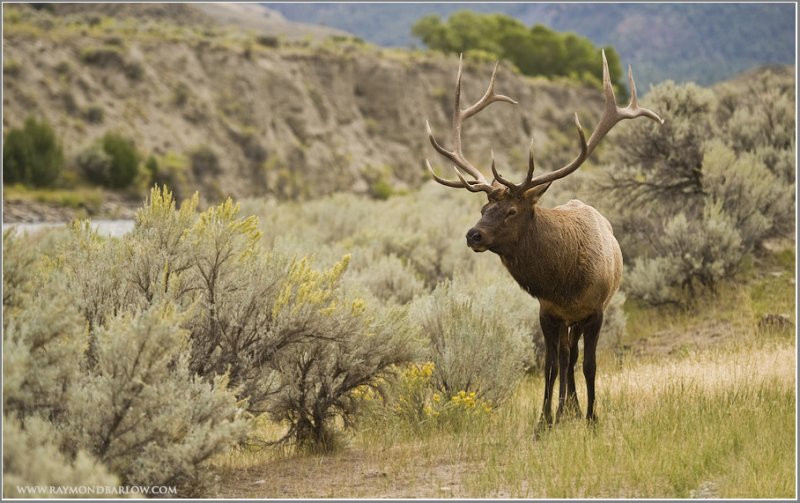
[[353, 473]]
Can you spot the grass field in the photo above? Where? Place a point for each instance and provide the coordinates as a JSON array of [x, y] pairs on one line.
[[715, 424], [679, 417]]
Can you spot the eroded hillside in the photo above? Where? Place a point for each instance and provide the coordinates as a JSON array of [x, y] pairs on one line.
[[290, 118]]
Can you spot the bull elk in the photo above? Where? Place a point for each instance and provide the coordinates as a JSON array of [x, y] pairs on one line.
[[566, 257]]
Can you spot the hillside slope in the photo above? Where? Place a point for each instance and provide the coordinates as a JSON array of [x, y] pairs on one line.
[[704, 43], [292, 120]]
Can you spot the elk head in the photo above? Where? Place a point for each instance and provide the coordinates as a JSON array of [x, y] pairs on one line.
[[511, 207]]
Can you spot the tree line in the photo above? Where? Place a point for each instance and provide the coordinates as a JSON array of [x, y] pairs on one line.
[[536, 50]]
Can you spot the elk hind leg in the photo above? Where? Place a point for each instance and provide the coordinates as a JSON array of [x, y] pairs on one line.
[[571, 405], [591, 334]]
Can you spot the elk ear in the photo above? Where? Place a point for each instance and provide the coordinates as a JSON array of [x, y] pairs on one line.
[[532, 195]]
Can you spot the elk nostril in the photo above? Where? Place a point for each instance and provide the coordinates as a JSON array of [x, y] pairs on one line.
[[474, 236]]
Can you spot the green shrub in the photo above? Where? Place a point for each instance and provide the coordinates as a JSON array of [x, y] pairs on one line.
[[268, 41], [94, 114], [32, 155], [94, 164], [180, 95], [535, 50], [106, 56], [124, 160], [134, 70], [11, 68], [170, 170], [204, 162], [112, 162], [64, 68]]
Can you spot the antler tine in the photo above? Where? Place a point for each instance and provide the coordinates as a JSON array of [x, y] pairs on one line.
[[613, 113], [459, 116], [634, 103], [569, 168], [449, 183], [488, 97], [474, 186], [611, 116], [511, 185], [529, 176]]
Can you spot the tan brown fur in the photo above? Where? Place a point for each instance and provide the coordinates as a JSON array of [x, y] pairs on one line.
[[566, 257]]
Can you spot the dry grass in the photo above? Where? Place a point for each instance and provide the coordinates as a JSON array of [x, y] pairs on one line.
[[718, 423]]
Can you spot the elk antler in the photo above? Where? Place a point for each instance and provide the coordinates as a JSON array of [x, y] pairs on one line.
[[480, 184], [611, 116]]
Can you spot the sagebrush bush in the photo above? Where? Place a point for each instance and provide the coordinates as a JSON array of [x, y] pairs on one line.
[[257, 315], [95, 269], [612, 332], [387, 278], [759, 114], [83, 362], [475, 345], [156, 250], [143, 413], [341, 352], [31, 458], [43, 349], [32, 155], [424, 230], [416, 404], [746, 191], [690, 254], [691, 197], [18, 265]]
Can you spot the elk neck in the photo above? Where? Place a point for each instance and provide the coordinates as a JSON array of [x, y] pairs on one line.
[[545, 260]]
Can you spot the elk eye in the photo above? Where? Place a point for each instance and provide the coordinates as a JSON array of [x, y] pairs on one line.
[[512, 212]]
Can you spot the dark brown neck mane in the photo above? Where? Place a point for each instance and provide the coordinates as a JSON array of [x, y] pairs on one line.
[[545, 262]]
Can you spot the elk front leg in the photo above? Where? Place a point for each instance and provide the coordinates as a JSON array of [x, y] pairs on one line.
[[550, 329], [563, 367], [571, 406]]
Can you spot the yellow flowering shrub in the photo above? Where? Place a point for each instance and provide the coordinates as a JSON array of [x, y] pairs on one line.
[[418, 403]]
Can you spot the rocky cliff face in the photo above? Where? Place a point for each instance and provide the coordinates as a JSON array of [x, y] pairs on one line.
[[287, 118]]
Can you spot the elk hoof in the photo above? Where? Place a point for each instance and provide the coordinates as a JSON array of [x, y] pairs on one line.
[[572, 409], [541, 427]]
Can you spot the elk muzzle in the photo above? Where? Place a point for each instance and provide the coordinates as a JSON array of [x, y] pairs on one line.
[[477, 240]]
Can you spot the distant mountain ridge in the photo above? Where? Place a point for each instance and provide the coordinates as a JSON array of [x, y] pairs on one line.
[[703, 43]]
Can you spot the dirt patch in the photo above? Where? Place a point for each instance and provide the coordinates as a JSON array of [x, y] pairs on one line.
[[350, 474], [673, 340]]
